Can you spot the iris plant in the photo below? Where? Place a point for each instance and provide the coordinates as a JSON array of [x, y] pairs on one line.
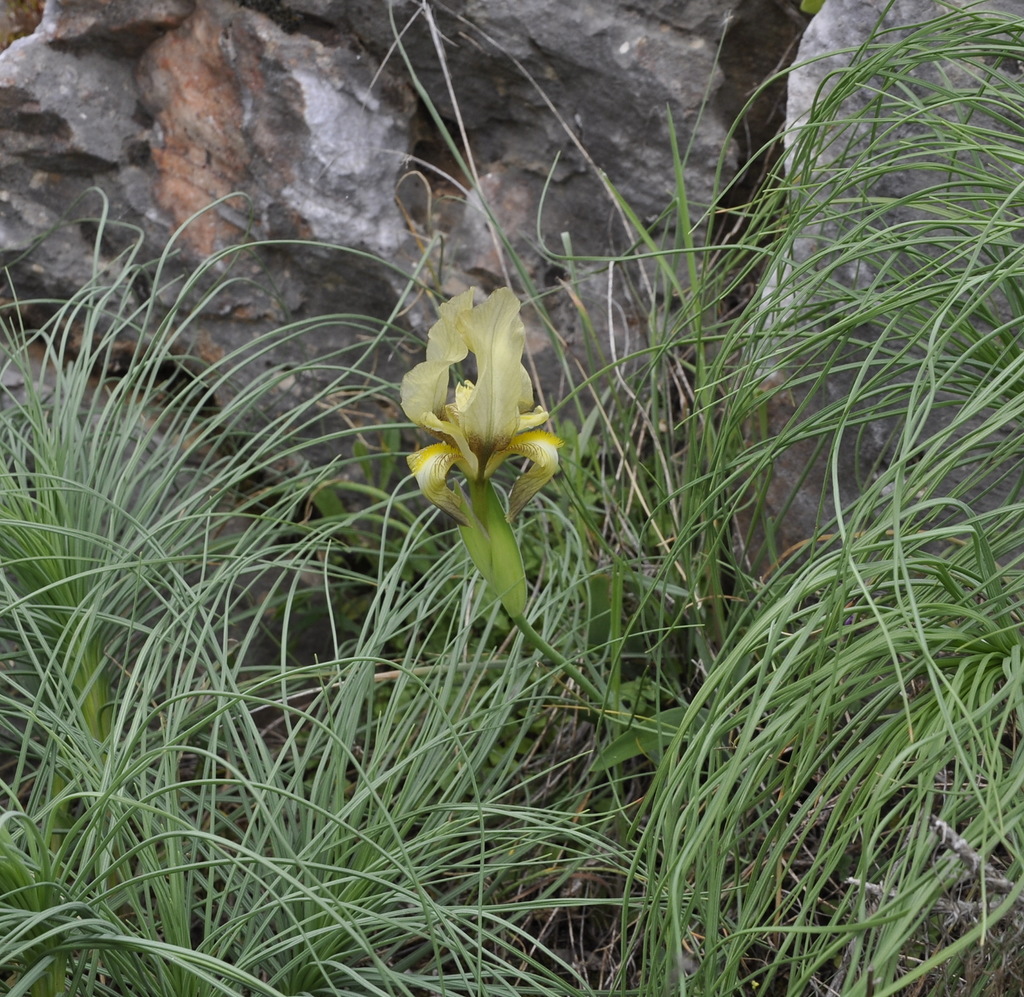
[[491, 419]]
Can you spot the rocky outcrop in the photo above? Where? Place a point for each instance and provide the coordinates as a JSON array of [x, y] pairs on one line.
[[393, 131]]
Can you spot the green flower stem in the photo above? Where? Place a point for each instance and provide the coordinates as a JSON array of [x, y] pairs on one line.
[[558, 659], [492, 545], [480, 498]]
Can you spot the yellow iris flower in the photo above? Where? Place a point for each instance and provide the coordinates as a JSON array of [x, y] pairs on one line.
[[491, 419]]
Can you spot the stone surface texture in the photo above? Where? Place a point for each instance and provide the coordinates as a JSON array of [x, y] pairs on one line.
[[301, 121]]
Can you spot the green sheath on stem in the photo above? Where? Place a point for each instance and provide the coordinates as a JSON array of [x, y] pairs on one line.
[[493, 547]]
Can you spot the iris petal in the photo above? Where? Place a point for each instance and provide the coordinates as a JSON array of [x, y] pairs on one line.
[[425, 387], [431, 466], [425, 391], [445, 341], [542, 448], [495, 334]]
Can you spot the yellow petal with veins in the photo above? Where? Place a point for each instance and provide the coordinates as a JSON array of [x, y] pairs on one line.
[[445, 342], [431, 466], [425, 387], [490, 412], [540, 447]]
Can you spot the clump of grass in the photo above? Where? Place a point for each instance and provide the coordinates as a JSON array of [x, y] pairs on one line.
[[866, 682], [197, 802]]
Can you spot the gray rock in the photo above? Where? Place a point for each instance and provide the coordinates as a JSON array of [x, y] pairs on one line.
[[123, 27], [152, 110], [66, 120], [38, 85], [313, 136], [536, 77]]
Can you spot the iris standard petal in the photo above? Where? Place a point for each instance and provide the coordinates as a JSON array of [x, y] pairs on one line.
[[425, 387], [425, 391], [525, 389], [445, 341], [540, 447], [495, 333], [431, 466]]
